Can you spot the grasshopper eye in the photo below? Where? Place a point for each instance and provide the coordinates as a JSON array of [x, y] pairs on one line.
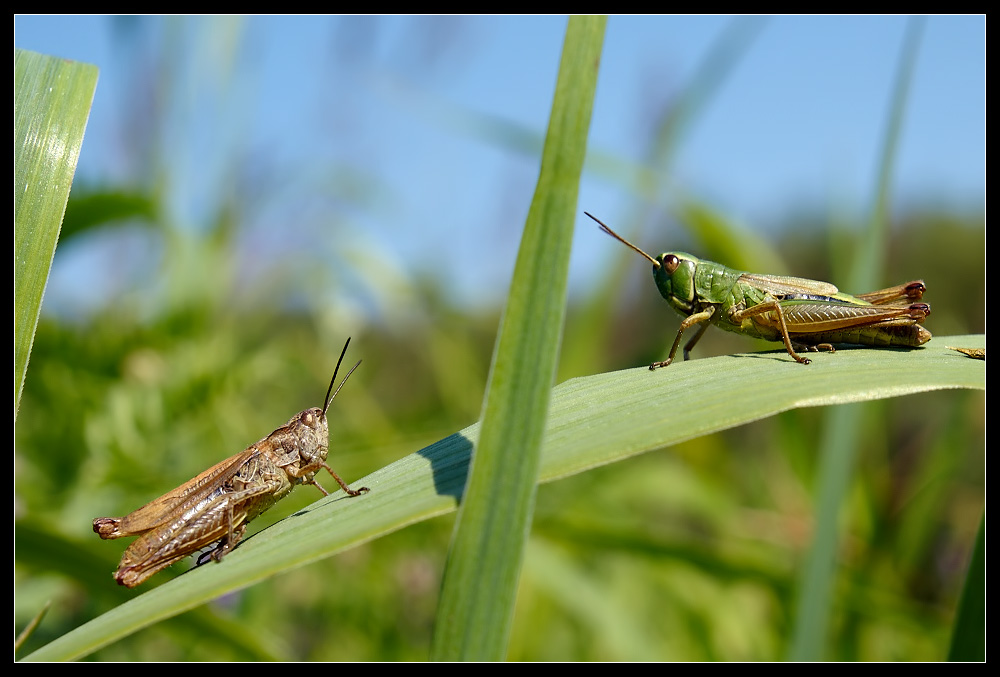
[[669, 263], [307, 418]]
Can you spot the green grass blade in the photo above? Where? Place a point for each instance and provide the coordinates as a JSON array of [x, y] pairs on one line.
[[968, 640], [479, 589], [593, 421], [51, 105]]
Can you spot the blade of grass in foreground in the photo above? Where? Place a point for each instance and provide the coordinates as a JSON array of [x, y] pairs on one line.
[[51, 105], [476, 608], [968, 641], [593, 421]]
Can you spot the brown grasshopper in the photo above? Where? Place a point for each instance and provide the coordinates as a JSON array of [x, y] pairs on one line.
[[215, 507]]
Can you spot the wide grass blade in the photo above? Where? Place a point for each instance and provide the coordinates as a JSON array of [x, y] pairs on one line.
[[593, 421], [51, 105]]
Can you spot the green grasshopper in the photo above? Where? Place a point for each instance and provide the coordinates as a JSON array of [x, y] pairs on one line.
[[807, 315]]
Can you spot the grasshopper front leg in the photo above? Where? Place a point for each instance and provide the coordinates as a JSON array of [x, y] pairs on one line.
[[702, 316], [313, 467]]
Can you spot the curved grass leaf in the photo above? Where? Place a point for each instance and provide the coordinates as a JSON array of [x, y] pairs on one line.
[[593, 421]]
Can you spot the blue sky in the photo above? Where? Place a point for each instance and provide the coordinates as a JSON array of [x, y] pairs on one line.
[[386, 126]]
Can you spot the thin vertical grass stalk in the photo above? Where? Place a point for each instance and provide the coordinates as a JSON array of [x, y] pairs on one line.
[[476, 609]]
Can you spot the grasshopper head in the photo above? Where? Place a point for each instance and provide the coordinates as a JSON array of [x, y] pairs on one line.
[[310, 429], [673, 273]]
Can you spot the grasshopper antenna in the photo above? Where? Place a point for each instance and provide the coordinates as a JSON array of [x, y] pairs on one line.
[[329, 399], [623, 240]]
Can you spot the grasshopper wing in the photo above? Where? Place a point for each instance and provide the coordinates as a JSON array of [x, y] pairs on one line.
[[216, 512], [160, 510], [784, 284], [910, 291]]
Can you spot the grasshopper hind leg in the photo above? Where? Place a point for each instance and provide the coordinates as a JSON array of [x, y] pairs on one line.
[[771, 305]]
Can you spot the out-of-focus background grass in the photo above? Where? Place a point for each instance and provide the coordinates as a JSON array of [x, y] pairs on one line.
[[208, 274]]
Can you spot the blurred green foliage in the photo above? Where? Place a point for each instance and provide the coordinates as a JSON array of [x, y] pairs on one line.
[[690, 553]]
